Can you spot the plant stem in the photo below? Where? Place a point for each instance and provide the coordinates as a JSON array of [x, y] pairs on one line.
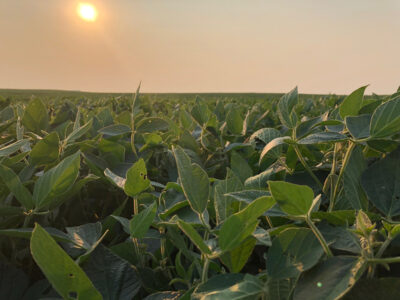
[[204, 274], [383, 247], [388, 260], [319, 236], [306, 166], [344, 164]]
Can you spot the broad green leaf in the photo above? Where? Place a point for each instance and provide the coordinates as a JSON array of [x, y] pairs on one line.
[[293, 251], [272, 147], [241, 225], [230, 286], [14, 184], [285, 108], [136, 179], [352, 190], [237, 258], [79, 132], [200, 112], [35, 116], [67, 278], [385, 120], [172, 295], [56, 181], [234, 121], [12, 148], [340, 238], [151, 125], [194, 236], [222, 203], [46, 150], [329, 280], [86, 237], [247, 196], [322, 137], [114, 178], [111, 275], [194, 179], [358, 126], [377, 288], [293, 199], [352, 104], [26, 233], [266, 135], [115, 130], [240, 166], [259, 181], [280, 289], [336, 217], [381, 182], [140, 223], [113, 153]]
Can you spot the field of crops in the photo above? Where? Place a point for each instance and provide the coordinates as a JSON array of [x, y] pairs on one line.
[[214, 197]]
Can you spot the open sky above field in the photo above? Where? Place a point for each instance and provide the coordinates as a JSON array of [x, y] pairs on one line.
[[202, 46]]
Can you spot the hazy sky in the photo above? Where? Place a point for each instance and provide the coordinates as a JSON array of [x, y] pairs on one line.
[[202, 45]]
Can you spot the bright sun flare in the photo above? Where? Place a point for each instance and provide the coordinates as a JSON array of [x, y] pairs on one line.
[[87, 12]]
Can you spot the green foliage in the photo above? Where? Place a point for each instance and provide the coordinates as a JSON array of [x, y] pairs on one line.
[[183, 196]]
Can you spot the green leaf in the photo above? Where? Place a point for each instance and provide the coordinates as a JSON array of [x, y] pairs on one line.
[[115, 130], [230, 286], [79, 132], [381, 182], [241, 225], [329, 280], [259, 181], [114, 178], [194, 179], [136, 179], [194, 236], [266, 135], [234, 121], [377, 288], [151, 125], [385, 120], [293, 251], [274, 147], [237, 258], [26, 233], [247, 196], [285, 108], [67, 278], [200, 112], [322, 137], [352, 104], [35, 116], [172, 295], [140, 223], [352, 190], [56, 181], [14, 184], [358, 126], [293, 199], [111, 275], [12, 148], [240, 166], [222, 203], [46, 150]]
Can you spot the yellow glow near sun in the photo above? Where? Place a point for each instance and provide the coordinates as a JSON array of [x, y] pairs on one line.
[[87, 12]]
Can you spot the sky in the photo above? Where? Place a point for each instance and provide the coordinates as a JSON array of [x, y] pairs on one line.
[[320, 46]]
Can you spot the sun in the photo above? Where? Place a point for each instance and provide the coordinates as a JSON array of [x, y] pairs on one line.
[[87, 12]]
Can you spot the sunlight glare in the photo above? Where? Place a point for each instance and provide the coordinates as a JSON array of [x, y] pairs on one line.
[[87, 12]]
